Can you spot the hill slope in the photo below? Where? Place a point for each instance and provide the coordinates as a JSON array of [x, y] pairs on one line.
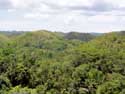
[[79, 36], [43, 62]]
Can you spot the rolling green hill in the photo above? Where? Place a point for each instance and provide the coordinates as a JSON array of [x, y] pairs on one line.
[[44, 62], [3, 40], [79, 36]]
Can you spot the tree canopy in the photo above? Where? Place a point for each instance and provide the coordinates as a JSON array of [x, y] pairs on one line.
[[44, 62]]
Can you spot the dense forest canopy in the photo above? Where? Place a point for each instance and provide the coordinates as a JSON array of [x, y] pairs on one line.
[[44, 62]]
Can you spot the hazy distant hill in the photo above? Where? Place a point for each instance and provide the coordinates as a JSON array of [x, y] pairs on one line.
[[11, 33], [69, 36], [79, 36]]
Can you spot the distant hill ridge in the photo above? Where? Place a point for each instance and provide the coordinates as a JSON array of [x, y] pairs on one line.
[[69, 36]]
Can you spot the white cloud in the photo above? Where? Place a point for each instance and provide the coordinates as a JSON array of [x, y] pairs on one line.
[[103, 19], [11, 10], [60, 3], [118, 3], [66, 15], [73, 2], [22, 3], [36, 15]]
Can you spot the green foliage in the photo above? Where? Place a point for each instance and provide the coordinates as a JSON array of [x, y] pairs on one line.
[[18, 75], [20, 90], [112, 87], [4, 82], [79, 36], [44, 62]]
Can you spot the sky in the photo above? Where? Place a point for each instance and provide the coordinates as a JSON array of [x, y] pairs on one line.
[[63, 15]]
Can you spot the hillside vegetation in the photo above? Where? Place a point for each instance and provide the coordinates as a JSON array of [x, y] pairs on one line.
[[44, 62], [79, 36]]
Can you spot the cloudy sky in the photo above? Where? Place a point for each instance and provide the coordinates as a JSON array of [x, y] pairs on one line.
[[63, 15]]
